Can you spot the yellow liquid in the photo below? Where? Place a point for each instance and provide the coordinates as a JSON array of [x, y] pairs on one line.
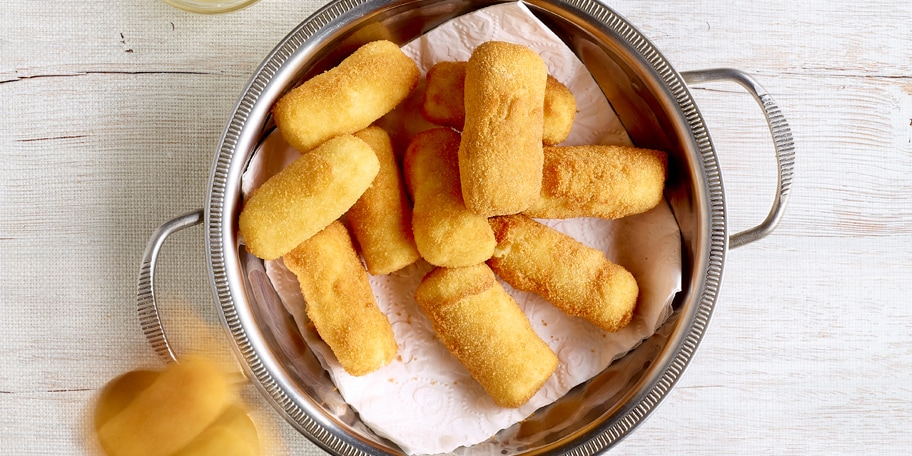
[[179, 408]]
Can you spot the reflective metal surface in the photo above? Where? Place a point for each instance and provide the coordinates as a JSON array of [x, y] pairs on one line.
[[783, 143], [149, 318], [654, 105]]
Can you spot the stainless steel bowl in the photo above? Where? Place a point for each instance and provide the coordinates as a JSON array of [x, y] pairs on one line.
[[652, 101]]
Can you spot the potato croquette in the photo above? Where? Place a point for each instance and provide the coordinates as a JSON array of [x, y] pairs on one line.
[[343, 100], [576, 278], [607, 182], [444, 102], [306, 196], [446, 232], [444, 95], [559, 112], [177, 405], [500, 156], [381, 220], [484, 328], [340, 302]]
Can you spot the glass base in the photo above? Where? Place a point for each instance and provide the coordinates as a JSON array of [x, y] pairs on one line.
[[210, 6]]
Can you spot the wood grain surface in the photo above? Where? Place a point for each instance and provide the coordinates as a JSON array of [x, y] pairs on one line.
[[112, 110]]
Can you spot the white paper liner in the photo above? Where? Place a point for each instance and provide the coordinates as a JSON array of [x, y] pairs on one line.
[[425, 401]]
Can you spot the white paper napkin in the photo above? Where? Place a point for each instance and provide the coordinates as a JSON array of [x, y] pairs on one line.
[[425, 401]]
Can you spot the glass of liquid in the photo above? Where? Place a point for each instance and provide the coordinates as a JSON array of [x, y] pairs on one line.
[[210, 6]]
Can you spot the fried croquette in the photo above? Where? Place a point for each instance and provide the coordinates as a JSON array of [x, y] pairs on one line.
[[484, 328], [576, 278], [559, 112], [381, 220], [500, 155], [306, 196], [608, 182], [444, 102], [347, 98], [446, 232], [444, 95], [340, 302]]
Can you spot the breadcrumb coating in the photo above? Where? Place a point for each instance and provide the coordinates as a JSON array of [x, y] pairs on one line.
[[446, 232], [608, 182], [484, 328], [306, 196], [381, 220], [500, 156], [443, 102], [340, 302], [347, 98], [576, 278]]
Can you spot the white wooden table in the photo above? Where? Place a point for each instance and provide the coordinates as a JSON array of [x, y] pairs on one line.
[[110, 112]]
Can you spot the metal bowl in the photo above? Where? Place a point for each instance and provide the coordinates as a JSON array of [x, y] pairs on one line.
[[653, 103]]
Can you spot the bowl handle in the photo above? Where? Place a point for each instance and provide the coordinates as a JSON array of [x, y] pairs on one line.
[[783, 143], [149, 319]]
